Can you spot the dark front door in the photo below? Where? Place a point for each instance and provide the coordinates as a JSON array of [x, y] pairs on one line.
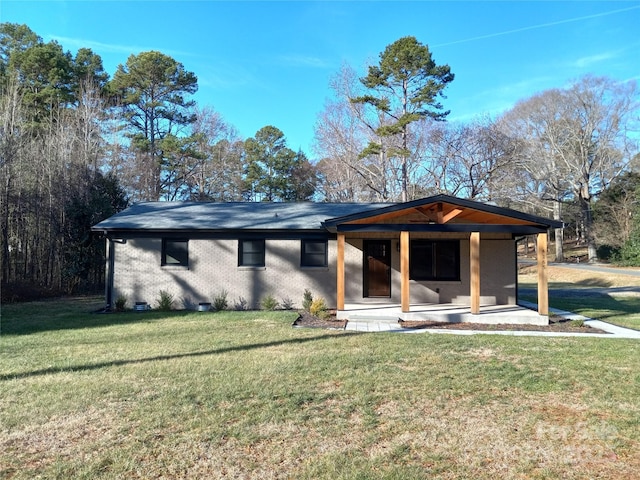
[[377, 268]]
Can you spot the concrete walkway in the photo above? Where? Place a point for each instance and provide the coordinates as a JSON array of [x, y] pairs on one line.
[[392, 325]]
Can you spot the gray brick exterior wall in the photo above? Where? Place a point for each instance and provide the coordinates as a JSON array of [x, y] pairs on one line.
[[213, 267]]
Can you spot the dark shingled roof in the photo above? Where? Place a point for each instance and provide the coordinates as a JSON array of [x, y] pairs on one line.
[[220, 216], [302, 216]]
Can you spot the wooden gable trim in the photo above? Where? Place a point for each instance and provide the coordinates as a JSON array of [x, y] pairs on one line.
[[440, 213], [445, 215], [381, 218], [451, 215], [442, 210]]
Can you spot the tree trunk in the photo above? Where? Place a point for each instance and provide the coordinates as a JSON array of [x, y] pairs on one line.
[[587, 220], [404, 179], [559, 233], [4, 226]]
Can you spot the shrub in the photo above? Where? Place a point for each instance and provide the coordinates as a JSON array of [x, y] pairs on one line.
[[220, 301], [269, 303], [607, 252], [286, 303], [165, 301], [241, 304], [577, 323], [307, 300], [318, 308], [121, 303], [629, 254]]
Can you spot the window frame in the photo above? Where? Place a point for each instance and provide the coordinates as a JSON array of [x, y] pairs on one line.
[[436, 253], [168, 250], [261, 252], [304, 256]]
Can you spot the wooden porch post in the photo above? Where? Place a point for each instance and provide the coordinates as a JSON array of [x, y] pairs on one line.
[[340, 269], [404, 271], [474, 242], [543, 284]]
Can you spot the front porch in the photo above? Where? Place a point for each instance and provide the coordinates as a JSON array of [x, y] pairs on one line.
[[440, 243], [450, 313]]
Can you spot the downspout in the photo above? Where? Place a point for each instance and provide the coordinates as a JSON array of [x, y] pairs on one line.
[[108, 294]]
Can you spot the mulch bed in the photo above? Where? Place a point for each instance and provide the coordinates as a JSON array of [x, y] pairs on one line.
[[305, 319], [556, 324]]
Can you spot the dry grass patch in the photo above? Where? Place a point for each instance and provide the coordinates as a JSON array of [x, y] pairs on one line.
[[456, 440], [487, 441], [573, 278], [72, 437], [484, 353]]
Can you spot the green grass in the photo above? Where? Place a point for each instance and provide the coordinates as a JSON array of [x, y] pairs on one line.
[[245, 395], [619, 310], [623, 311]]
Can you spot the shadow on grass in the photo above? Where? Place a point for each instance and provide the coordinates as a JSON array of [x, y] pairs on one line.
[[586, 283], [71, 314], [120, 363], [595, 282]]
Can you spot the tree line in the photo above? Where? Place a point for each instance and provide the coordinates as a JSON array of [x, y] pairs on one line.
[[78, 145]]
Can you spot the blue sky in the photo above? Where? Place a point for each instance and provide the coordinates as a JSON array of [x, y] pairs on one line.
[[269, 63]]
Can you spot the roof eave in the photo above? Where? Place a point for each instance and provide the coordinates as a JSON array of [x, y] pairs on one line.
[[188, 232]]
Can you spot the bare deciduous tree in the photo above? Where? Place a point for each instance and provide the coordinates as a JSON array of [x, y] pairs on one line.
[[342, 131], [12, 139], [465, 160], [218, 173], [576, 141]]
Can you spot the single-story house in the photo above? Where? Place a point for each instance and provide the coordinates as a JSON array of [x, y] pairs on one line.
[[436, 250]]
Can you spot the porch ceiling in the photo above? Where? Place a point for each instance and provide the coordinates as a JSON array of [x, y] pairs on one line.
[[440, 213]]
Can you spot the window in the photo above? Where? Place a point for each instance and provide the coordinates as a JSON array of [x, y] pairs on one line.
[[435, 260], [251, 253], [175, 252], [313, 253]]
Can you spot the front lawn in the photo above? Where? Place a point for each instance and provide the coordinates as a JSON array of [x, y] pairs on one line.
[[569, 290], [619, 310], [245, 395]]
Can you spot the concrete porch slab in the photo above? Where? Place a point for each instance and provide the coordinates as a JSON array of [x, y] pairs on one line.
[[489, 314]]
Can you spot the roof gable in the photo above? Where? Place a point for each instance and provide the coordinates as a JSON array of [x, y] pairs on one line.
[[442, 210]]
